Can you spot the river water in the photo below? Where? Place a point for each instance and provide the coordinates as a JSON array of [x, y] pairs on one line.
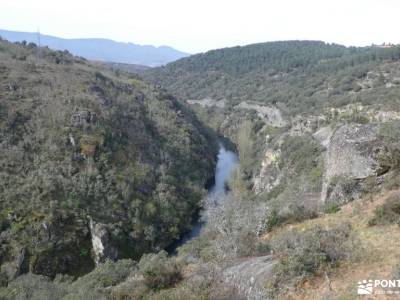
[[226, 163]]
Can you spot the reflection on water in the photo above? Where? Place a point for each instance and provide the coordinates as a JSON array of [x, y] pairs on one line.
[[226, 163]]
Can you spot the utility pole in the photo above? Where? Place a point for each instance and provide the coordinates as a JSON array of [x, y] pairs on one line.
[[38, 46]]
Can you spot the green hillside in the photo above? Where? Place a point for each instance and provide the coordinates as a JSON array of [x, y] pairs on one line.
[[79, 142], [98, 165], [316, 195], [298, 76]]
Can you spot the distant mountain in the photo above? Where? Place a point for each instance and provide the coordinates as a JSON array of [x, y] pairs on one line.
[[102, 49]]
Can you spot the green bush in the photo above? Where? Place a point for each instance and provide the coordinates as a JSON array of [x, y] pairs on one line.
[[305, 253], [331, 208], [390, 134], [296, 213], [387, 213], [273, 220], [102, 283], [342, 190], [159, 271]]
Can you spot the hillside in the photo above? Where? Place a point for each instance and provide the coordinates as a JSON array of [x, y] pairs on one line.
[[265, 97], [317, 130], [101, 49], [94, 164], [297, 76], [312, 208]]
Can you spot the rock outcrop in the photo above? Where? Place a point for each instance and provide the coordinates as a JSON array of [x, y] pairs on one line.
[[249, 276], [14, 268], [269, 175], [306, 124], [351, 156], [270, 115], [103, 246], [323, 136], [370, 113], [208, 102]]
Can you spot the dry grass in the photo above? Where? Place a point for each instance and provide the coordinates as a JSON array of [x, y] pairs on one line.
[[89, 144], [380, 250]]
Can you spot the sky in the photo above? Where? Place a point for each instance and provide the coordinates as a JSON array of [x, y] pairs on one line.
[[199, 25]]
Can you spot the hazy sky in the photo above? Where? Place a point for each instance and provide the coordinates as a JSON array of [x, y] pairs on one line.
[[196, 26]]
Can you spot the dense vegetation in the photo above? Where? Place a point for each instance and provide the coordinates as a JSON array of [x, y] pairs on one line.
[[134, 158], [297, 76], [79, 142], [284, 180]]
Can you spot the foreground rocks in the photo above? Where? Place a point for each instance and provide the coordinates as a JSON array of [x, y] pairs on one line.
[[352, 156], [102, 244], [249, 276]]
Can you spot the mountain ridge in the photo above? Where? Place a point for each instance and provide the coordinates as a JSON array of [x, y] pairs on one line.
[[101, 49]]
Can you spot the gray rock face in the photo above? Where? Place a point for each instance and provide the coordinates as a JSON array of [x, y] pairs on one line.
[[103, 247], [270, 174], [208, 102], [348, 151], [13, 268], [351, 154], [249, 276], [342, 190], [323, 136], [271, 115], [301, 124], [83, 118]]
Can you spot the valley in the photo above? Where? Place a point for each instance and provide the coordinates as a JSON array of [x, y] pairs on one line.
[[227, 162], [268, 171]]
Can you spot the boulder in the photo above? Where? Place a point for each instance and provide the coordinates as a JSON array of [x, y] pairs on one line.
[[352, 155], [323, 135], [249, 276], [102, 243], [14, 268]]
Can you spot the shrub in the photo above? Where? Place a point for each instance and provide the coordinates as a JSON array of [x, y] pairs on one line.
[[273, 220], [342, 190], [233, 227], [387, 213], [300, 154], [293, 214], [98, 284], [390, 134], [159, 271], [305, 253], [31, 286], [107, 274], [331, 208], [99, 76]]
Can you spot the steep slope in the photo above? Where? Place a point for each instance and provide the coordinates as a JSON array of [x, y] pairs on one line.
[[101, 49], [315, 197], [317, 130], [93, 164], [274, 99]]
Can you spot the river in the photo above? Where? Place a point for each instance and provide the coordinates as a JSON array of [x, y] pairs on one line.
[[226, 163]]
